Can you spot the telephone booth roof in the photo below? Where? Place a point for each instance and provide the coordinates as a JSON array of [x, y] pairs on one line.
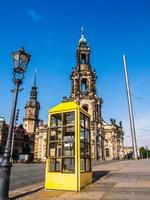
[[66, 106]]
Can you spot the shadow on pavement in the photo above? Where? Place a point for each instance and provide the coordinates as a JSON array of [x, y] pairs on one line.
[[99, 174], [25, 194]]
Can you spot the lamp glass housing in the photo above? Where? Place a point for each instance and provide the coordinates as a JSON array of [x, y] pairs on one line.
[[20, 62]]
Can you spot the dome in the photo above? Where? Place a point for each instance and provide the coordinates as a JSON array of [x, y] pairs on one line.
[[82, 39]]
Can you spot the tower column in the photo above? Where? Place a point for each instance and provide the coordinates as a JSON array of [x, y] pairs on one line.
[[84, 92], [32, 108]]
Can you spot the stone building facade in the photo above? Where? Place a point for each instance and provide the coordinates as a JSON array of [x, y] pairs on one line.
[[113, 141], [22, 144], [83, 92], [31, 121], [40, 142], [107, 138], [32, 107]]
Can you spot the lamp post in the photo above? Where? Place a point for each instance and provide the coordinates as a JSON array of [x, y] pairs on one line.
[[13, 134], [20, 62]]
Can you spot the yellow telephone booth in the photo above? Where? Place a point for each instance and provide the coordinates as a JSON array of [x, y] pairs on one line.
[[68, 164]]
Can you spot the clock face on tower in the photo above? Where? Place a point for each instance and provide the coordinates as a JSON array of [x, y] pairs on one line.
[[30, 111]]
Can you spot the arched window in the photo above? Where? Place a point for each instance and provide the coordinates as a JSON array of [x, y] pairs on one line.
[[83, 59], [85, 107], [107, 152], [83, 85]]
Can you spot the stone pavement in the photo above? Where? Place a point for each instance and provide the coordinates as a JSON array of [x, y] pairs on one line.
[[123, 180], [23, 175]]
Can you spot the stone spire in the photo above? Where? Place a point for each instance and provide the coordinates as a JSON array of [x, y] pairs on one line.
[[33, 93], [32, 108]]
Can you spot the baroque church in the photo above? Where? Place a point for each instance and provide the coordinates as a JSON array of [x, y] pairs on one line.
[[107, 138]]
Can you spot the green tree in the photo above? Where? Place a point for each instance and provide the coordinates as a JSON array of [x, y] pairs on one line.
[[144, 152]]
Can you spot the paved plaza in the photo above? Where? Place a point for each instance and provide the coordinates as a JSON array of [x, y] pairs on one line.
[[123, 180], [26, 174]]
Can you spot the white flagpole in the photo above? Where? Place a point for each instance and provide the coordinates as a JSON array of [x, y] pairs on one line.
[[131, 116]]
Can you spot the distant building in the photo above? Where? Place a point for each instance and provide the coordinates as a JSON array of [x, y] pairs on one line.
[[31, 119], [40, 142], [32, 107], [113, 141], [23, 143], [3, 133]]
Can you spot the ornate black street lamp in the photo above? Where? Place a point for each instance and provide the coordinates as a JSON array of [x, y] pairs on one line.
[[20, 62]]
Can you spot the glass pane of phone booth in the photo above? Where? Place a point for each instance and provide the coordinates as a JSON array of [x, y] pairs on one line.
[[85, 162], [62, 142]]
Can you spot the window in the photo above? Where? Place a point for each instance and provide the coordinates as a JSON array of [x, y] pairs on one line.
[[62, 143], [68, 165], [85, 143], [83, 85], [55, 149], [55, 165], [82, 148], [107, 152], [68, 133], [82, 165], [68, 118], [85, 107], [56, 120], [87, 123], [86, 135], [88, 167], [55, 134], [81, 134], [83, 58], [82, 121], [68, 149]]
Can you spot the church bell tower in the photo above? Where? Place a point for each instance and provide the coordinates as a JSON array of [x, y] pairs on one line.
[[83, 91], [31, 119], [83, 81]]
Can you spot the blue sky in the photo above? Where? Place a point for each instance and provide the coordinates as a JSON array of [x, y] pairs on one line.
[[50, 30]]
